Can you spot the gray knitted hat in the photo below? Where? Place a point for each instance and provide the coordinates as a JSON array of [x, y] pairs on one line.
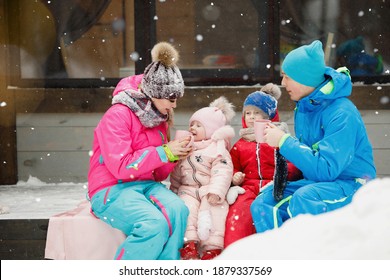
[[162, 78]]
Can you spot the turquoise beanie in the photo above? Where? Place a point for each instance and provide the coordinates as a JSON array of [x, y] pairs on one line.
[[306, 64]]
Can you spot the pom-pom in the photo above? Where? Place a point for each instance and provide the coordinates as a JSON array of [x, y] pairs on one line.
[[272, 90], [225, 106], [165, 53]]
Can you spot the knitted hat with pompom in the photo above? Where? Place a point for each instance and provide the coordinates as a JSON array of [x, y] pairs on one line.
[[218, 114], [265, 100], [162, 78]]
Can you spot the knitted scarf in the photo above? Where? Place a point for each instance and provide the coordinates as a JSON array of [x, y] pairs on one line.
[[248, 134], [141, 106]]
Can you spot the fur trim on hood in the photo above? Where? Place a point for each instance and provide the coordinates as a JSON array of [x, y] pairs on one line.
[[224, 133]]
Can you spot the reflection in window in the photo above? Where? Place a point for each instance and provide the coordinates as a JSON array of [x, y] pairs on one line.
[[233, 39], [235, 42], [353, 32], [73, 39]]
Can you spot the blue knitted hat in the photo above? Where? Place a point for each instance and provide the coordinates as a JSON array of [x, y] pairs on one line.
[[263, 101], [306, 64]]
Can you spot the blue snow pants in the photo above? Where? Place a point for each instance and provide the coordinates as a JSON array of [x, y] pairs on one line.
[[301, 197], [153, 218]]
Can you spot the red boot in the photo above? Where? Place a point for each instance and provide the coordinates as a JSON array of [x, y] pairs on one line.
[[211, 254], [189, 251]]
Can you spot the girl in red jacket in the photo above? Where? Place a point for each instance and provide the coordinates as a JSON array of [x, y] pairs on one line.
[[254, 163]]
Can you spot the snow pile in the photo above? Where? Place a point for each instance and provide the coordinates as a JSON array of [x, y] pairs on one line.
[[360, 230]]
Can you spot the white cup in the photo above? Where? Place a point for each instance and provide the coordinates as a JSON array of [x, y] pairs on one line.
[[259, 127], [181, 134]]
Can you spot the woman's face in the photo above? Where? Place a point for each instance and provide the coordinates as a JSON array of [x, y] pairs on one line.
[[164, 106]]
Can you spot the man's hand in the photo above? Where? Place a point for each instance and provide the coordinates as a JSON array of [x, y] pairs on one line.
[[272, 135]]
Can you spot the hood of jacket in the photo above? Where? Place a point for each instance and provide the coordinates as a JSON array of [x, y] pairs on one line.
[[337, 85], [128, 83]]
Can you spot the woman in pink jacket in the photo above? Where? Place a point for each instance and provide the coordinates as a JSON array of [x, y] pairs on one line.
[[131, 156], [203, 178]]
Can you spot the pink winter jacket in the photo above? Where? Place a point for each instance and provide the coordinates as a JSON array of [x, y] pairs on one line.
[[124, 150], [209, 169]]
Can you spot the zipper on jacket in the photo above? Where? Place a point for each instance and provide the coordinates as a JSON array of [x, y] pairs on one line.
[[194, 177], [259, 164]]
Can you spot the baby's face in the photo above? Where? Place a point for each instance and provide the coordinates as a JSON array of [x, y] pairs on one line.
[[251, 115], [197, 129]]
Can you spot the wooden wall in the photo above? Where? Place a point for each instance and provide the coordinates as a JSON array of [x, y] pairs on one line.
[[55, 147]]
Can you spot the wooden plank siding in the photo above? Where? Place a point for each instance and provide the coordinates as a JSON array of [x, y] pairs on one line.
[[55, 147]]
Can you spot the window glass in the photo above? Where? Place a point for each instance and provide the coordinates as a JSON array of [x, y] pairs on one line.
[[239, 43], [354, 33], [217, 37], [74, 38]]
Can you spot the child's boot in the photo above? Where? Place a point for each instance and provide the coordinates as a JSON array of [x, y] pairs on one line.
[[189, 251], [211, 254]]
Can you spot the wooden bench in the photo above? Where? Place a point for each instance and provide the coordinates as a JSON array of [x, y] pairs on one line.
[[78, 235]]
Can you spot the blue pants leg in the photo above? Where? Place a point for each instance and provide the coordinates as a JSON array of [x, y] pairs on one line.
[[300, 197], [177, 212], [153, 218], [316, 198], [267, 213]]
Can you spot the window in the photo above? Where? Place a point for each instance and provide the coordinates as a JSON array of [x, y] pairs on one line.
[[70, 43], [93, 43], [221, 43], [354, 33]]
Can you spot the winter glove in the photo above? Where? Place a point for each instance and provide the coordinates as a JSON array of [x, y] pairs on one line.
[[280, 175], [204, 224], [233, 193]]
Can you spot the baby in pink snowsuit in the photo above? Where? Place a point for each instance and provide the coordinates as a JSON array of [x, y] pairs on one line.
[[203, 179]]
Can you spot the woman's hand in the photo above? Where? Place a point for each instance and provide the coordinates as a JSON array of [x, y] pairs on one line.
[[238, 178], [179, 147], [272, 135]]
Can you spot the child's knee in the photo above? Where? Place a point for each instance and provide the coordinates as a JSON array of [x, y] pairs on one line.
[[151, 227]]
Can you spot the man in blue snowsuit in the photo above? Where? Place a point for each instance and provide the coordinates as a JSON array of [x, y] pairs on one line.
[[330, 146]]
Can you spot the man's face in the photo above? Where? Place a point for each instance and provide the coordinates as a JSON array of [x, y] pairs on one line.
[[296, 90]]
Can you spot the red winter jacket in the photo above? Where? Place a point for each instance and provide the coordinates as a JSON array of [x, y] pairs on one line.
[[257, 162]]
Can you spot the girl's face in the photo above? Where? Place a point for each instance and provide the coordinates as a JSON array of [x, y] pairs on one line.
[[197, 129], [296, 90], [164, 106], [251, 115]]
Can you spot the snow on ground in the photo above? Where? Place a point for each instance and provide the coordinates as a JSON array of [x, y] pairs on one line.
[[35, 199], [358, 231]]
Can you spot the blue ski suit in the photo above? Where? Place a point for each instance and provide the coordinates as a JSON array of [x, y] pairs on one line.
[[330, 147]]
